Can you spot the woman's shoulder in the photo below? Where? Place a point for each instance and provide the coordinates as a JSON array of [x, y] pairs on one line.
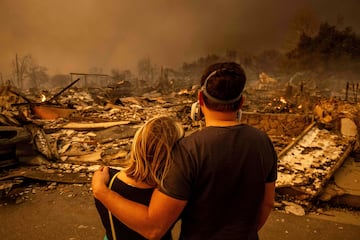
[[113, 171]]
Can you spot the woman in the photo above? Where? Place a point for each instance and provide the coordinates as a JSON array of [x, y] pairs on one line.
[[150, 158]]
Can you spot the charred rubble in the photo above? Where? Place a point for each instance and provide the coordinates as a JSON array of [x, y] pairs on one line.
[[63, 135]]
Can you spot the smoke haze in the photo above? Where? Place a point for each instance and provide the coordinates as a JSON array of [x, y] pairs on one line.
[[74, 36]]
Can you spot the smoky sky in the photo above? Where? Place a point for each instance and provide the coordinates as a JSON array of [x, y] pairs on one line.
[[74, 36]]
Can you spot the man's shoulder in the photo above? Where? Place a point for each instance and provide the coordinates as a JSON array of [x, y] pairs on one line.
[[214, 130], [253, 130]]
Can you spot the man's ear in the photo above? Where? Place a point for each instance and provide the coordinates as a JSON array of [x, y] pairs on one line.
[[200, 98], [242, 99]]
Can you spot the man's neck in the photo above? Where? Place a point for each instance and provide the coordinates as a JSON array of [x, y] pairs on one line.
[[220, 119]]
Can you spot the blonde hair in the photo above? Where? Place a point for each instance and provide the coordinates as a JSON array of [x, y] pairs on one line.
[[150, 155]]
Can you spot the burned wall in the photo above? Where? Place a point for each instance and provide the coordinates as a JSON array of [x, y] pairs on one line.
[[277, 124]]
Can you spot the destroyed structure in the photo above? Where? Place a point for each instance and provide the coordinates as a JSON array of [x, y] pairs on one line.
[[63, 136]]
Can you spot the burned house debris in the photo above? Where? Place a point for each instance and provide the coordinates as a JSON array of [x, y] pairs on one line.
[[65, 136]]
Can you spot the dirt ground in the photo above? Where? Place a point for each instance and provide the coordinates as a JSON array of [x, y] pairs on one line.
[[67, 212]]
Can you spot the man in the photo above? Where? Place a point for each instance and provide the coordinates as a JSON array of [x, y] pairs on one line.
[[222, 180]]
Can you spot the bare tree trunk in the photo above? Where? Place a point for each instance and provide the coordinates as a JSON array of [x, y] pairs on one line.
[[17, 71]]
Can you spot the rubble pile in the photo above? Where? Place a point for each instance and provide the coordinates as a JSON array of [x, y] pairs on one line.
[[329, 113], [307, 164], [66, 138], [93, 127], [53, 146]]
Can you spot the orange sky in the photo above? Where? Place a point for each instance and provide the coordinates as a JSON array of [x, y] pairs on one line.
[[73, 36]]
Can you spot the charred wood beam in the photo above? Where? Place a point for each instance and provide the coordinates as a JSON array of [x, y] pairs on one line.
[[286, 149], [29, 102], [90, 74], [32, 104], [20, 95], [63, 90]]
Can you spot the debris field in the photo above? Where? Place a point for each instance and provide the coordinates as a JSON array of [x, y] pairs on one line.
[[66, 141]]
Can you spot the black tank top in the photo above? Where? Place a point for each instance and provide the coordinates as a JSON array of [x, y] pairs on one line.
[[140, 195]]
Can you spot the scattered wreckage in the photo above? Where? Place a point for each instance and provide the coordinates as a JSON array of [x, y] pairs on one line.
[[67, 140], [308, 163]]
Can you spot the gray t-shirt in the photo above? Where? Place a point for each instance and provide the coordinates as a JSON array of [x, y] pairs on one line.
[[221, 172]]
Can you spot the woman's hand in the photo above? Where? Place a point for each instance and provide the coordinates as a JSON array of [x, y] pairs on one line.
[[100, 180]]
